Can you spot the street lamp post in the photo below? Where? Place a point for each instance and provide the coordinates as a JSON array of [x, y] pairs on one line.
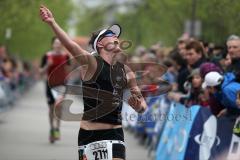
[[193, 18], [8, 35]]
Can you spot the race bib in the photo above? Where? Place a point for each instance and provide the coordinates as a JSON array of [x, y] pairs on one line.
[[100, 150]]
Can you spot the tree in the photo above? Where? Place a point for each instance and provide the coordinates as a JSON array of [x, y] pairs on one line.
[[163, 20], [30, 37]]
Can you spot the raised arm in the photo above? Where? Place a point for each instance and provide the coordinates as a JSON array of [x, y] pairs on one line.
[[82, 56]]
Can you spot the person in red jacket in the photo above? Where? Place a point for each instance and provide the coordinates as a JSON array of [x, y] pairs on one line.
[[53, 64]]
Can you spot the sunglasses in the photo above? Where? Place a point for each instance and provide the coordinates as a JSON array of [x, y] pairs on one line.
[[107, 34]]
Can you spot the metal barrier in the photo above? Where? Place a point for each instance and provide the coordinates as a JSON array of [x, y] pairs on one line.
[[10, 91]]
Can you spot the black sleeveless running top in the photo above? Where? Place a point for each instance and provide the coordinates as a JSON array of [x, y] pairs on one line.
[[102, 95]]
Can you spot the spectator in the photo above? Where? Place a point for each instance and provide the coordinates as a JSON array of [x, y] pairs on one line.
[[207, 48], [171, 74], [3, 53], [140, 51], [195, 56], [180, 66], [222, 86], [196, 93], [181, 45], [158, 50], [233, 46], [149, 57], [227, 61], [214, 104]]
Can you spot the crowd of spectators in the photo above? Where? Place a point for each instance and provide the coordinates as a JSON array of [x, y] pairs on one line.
[[194, 72], [15, 77], [199, 73]]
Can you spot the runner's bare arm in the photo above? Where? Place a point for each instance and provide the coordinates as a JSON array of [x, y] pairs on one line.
[[82, 56], [136, 101]]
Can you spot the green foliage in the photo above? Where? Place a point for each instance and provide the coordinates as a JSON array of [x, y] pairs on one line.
[[163, 20], [144, 23], [91, 20], [156, 21], [219, 18], [30, 36]]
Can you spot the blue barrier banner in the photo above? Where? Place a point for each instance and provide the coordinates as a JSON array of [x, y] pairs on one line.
[[175, 135], [228, 145], [147, 116], [234, 149], [150, 117], [203, 136], [213, 138], [192, 133], [163, 109]]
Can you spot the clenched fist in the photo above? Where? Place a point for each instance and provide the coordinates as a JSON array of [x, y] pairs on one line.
[[46, 15], [135, 101]]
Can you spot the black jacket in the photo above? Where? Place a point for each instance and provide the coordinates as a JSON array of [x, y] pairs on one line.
[[184, 73], [235, 68]]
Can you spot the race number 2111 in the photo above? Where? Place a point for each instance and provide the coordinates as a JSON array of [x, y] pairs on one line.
[[101, 154]]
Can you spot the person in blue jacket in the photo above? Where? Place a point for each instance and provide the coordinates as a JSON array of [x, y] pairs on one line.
[[224, 87], [226, 90]]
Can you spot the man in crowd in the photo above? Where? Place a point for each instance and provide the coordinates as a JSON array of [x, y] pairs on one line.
[[233, 46], [195, 56]]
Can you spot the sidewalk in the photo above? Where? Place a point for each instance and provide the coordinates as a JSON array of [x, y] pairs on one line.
[[24, 133]]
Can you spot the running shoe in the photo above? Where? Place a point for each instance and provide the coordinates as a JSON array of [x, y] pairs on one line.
[[51, 136], [56, 134]]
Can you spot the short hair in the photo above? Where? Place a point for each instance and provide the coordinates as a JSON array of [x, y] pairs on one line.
[[233, 37], [93, 37], [196, 45], [176, 57]]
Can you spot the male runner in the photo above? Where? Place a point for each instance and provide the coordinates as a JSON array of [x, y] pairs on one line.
[[101, 135], [50, 61]]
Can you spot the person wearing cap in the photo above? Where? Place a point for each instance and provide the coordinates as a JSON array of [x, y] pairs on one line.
[[215, 106], [225, 89], [103, 81], [223, 86]]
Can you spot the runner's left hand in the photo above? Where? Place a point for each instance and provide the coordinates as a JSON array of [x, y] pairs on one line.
[[134, 101]]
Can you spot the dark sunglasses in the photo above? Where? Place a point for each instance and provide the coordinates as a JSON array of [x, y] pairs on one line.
[[107, 34]]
